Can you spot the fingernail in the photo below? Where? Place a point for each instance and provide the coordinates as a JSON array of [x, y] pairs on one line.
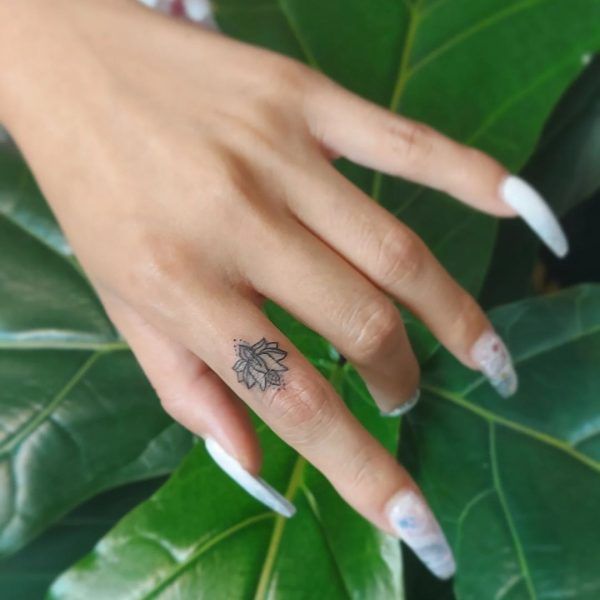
[[404, 407], [494, 361], [255, 486], [414, 523], [534, 210]]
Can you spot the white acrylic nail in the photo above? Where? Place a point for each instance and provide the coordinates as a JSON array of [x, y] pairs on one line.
[[534, 210], [494, 361], [404, 407], [255, 486], [414, 523]]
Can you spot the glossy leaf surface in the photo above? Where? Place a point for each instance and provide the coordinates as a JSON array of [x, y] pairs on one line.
[[201, 536], [71, 392], [515, 484]]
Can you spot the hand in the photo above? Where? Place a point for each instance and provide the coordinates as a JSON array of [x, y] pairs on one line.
[[192, 176]]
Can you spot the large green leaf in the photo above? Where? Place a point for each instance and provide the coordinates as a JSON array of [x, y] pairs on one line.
[[71, 392], [196, 539], [486, 72], [27, 574], [515, 483]]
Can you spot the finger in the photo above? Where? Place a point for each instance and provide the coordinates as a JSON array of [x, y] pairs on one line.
[[331, 297], [257, 361], [396, 260], [372, 136], [188, 389]]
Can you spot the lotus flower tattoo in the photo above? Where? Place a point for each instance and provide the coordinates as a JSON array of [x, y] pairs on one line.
[[260, 364]]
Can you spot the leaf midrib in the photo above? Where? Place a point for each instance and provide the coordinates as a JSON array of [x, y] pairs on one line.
[[203, 548], [476, 28], [308, 54], [17, 437], [20, 434], [406, 72], [492, 417], [295, 483], [41, 343], [312, 504], [520, 551], [269, 563]]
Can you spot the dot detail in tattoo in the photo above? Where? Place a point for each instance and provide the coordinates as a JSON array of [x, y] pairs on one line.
[[259, 364]]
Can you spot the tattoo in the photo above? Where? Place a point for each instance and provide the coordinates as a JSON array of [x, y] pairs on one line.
[[259, 364]]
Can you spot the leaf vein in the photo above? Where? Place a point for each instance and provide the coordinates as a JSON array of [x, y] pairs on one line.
[[477, 28], [523, 429], [205, 547], [312, 503], [509, 519], [20, 434]]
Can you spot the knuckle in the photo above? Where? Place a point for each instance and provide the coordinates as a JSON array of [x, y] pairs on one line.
[[374, 329], [287, 74], [413, 140], [400, 257], [304, 409], [158, 262]]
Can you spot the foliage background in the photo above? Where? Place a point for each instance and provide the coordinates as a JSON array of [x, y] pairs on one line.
[[514, 483]]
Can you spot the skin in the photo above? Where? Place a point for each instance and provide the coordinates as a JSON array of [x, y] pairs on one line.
[[192, 177]]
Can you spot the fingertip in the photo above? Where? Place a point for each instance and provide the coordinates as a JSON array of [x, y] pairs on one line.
[[528, 203], [411, 520]]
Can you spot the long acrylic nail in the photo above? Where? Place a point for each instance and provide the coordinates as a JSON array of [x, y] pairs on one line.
[[414, 523], [404, 407], [494, 361], [534, 210], [255, 486]]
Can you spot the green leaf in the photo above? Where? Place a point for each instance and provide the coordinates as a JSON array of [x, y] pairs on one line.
[[28, 573], [201, 536], [486, 72], [516, 482], [71, 392]]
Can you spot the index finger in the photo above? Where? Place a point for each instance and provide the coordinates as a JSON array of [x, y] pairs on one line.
[[376, 137]]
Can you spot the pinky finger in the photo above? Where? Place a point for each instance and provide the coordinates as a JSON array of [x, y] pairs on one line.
[[199, 400]]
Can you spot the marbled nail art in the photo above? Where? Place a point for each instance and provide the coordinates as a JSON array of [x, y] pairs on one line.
[[414, 523], [494, 361]]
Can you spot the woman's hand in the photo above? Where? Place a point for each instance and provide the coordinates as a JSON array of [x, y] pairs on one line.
[[192, 176]]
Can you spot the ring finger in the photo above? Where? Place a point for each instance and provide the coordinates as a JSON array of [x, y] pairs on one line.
[[330, 296], [263, 367]]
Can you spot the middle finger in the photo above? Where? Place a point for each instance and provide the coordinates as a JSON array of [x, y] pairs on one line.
[[396, 260]]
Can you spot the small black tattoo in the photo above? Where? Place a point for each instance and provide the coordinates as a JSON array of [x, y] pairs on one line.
[[259, 364]]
